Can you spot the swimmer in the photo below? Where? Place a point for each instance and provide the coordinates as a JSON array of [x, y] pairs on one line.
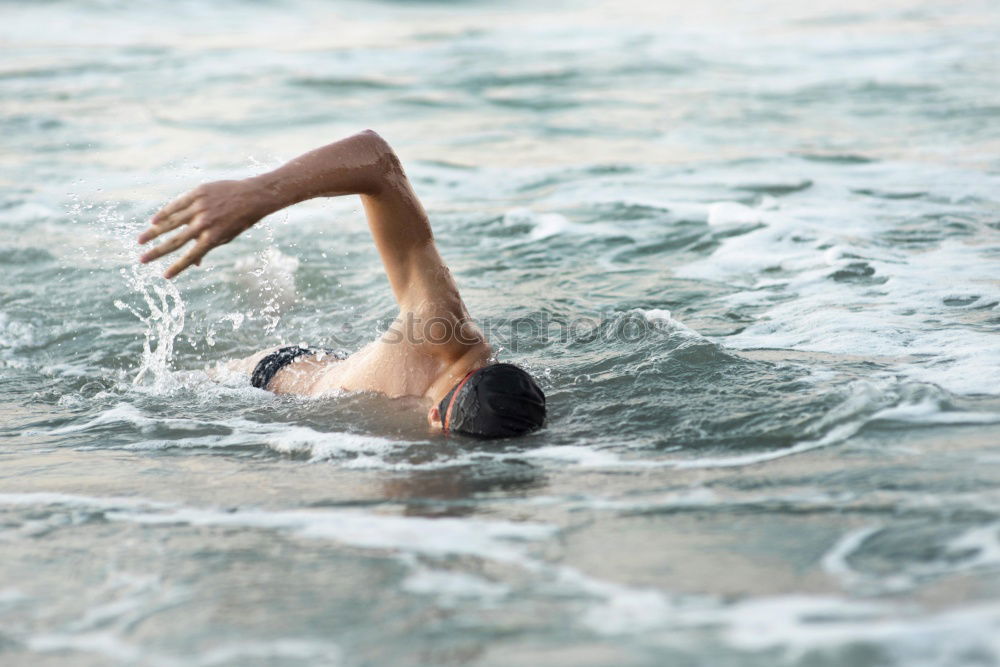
[[433, 350]]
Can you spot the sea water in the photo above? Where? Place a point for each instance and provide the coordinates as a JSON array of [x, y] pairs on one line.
[[750, 250]]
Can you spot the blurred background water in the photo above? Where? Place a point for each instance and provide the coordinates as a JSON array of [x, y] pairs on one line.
[[773, 435]]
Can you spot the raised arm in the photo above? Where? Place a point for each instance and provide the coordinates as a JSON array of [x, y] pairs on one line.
[[363, 164]]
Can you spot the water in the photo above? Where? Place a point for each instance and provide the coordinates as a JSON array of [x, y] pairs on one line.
[[774, 421]]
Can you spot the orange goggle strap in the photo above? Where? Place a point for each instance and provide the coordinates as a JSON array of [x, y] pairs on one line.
[[447, 416]]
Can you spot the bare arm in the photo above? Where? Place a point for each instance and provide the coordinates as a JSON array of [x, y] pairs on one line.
[[364, 164], [215, 213]]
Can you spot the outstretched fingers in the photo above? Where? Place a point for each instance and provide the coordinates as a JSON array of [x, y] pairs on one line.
[[176, 205], [170, 222], [171, 244], [192, 256]]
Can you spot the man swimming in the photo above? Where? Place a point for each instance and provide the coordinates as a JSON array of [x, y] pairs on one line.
[[433, 349]]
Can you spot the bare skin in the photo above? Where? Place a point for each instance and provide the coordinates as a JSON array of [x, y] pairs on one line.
[[433, 343]]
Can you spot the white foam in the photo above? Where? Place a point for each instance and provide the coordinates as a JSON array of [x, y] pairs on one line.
[[107, 644], [837, 434], [930, 411], [110, 645], [618, 609], [835, 562], [732, 213], [451, 586], [324, 446], [864, 403], [687, 498], [801, 624], [11, 596], [586, 457], [899, 304], [367, 451], [123, 413], [977, 548], [72, 500], [30, 212], [983, 542], [580, 455], [903, 315], [495, 540], [14, 334], [793, 624], [322, 653], [782, 621], [665, 321], [546, 225]]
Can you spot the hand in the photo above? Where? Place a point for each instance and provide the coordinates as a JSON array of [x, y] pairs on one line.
[[213, 214]]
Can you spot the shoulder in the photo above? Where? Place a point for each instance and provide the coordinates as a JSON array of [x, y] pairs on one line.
[[439, 327]]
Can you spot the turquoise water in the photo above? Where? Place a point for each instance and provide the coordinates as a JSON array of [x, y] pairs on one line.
[[751, 256]]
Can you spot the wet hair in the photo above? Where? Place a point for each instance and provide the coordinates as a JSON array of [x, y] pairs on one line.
[[496, 401]]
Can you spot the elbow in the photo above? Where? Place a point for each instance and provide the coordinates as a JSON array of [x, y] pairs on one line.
[[379, 145], [388, 162]]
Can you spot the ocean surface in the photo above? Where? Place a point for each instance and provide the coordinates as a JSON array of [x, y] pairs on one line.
[[750, 249]]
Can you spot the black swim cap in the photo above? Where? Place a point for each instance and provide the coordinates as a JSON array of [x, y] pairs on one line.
[[496, 401]]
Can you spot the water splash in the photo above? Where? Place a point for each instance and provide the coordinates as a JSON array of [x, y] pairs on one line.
[[163, 323], [236, 319], [270, 276]]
